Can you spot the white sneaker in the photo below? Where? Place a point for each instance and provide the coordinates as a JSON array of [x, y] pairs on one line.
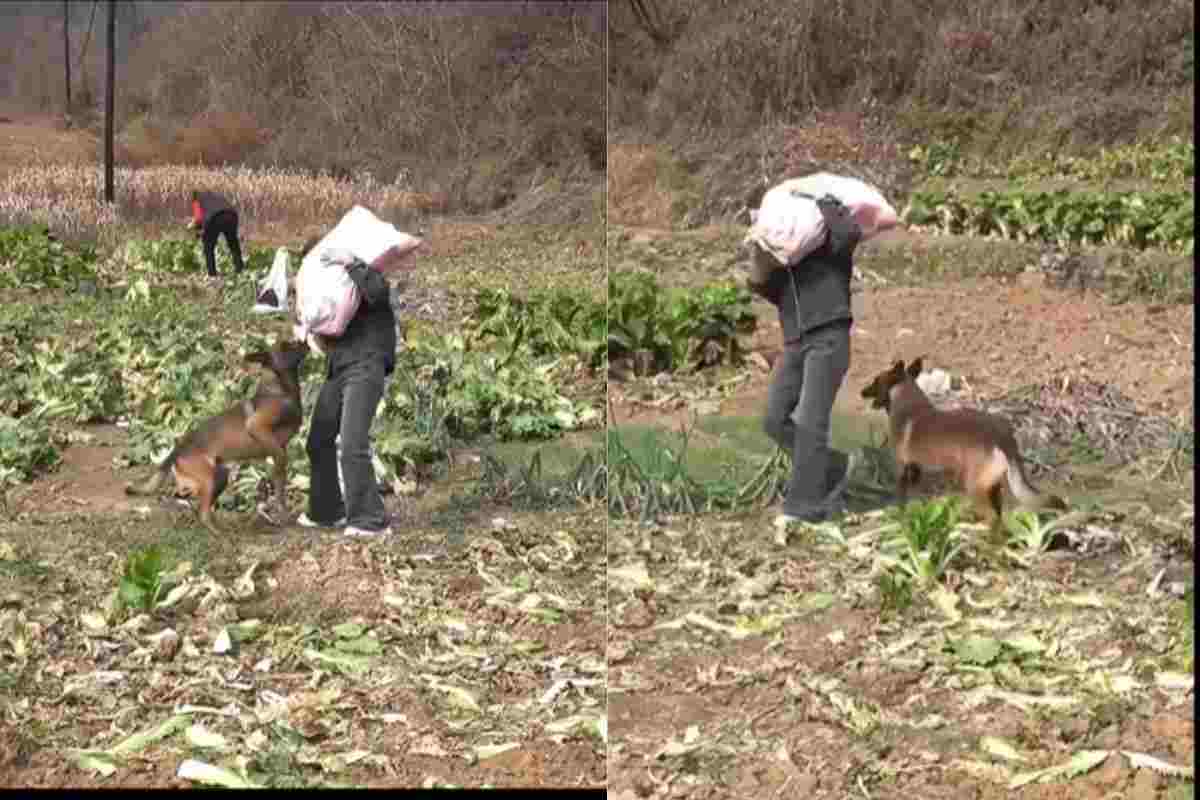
[[783, 520], [812, 518], [306, 522], [363, 533]]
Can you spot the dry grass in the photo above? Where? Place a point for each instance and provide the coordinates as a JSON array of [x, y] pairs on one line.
[[69, 198], [31, 139], [644, 186], [212, 138]]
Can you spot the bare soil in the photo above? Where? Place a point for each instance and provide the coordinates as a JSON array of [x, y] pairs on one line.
[[848, 701]]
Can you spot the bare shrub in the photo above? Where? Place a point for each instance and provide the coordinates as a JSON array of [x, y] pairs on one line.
[[728, 68], [218, 138], [474, 105]]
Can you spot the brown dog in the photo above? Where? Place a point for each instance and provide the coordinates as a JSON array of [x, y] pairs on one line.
[[252, 430], [979, 449]]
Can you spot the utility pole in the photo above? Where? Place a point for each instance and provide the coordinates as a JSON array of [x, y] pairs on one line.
[[67, 48], [108, 102]]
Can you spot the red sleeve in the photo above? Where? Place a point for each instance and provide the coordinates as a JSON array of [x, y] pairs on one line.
[[197, 212]]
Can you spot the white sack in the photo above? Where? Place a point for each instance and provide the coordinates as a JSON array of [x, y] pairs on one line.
[[326, 298], [789, 226]]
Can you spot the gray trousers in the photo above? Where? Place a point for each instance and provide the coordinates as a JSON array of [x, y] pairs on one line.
[[799, 411], [346, 405]]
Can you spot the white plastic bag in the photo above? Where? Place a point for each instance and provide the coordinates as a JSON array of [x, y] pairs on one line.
[[326, 298], [276, 282], [789, 226]]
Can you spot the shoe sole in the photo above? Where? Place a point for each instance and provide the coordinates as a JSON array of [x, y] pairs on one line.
[[304, 522], [783, 521], [359, 533]]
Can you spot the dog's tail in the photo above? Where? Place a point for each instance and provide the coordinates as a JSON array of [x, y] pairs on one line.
[[151, 484], [1025, 492]]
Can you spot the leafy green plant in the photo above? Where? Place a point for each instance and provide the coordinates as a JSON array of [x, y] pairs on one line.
[[926, 541], [661, 328], [18, 334], [141, 582], [1170, 161], [505, 394], [938, 159], [31, 258], [1031, 533], [547, 323], [415, 435], [80, 383], [635, 326], [28, 448], [177, 256], [184, 256], [715, 313], [1133, 219]]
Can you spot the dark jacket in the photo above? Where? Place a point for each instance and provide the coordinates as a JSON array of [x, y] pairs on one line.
[[371, 332], [206, 205], [816, 291]]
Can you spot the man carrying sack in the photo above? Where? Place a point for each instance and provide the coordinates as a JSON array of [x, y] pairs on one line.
[[803, 238], [813, 301]]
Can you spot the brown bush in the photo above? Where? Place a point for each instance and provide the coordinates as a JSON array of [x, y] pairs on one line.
[[218, 138]]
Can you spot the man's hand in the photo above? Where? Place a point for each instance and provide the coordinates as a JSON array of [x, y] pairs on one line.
[[830, 201], [844, 233]]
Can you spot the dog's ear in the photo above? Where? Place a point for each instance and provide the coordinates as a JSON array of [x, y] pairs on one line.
[[877, 392], [914, 369]]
